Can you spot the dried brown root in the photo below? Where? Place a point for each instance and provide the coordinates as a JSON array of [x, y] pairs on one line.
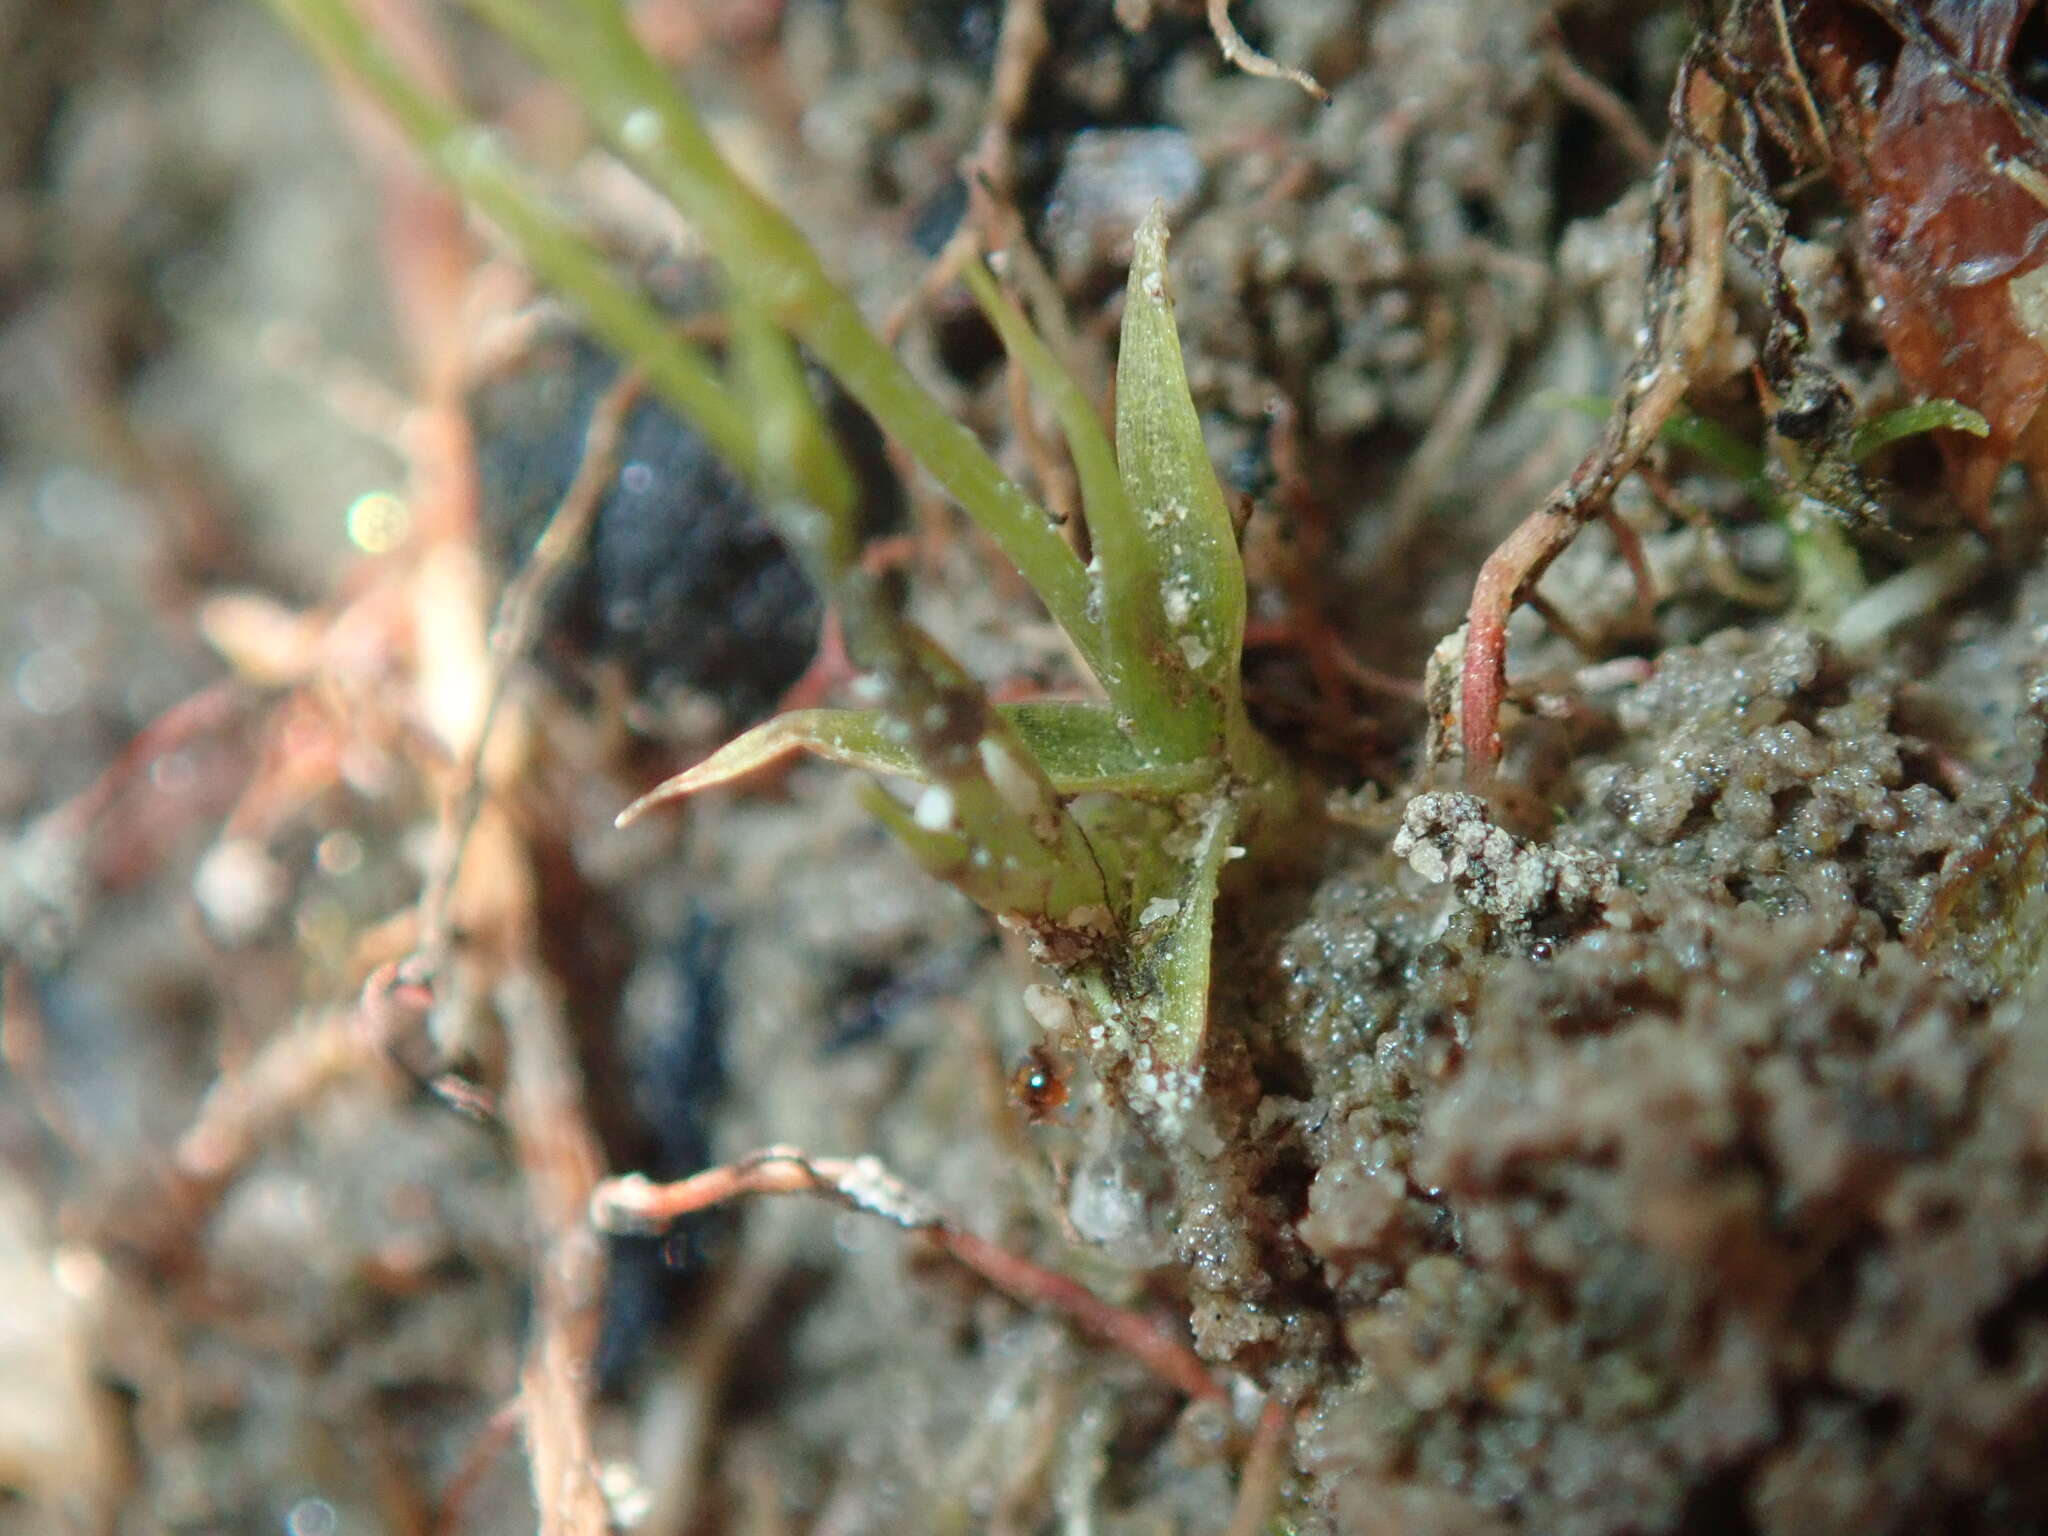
[[241, 1112], [1450, 433], [1722, 573], [1021, 47], [1247, 58], [213, 708], [24, 1053], [559, 1155], [491, 1442], [862, 1184], [159, 1208], [1597, 100], [512, 632], [1629, 544]]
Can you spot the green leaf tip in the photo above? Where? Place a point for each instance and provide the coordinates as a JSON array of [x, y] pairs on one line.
[[1081, 747], [1172, 579], [1907, 420]]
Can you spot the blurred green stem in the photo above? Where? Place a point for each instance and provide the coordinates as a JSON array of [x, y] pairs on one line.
[[653, 127], [473, 162]]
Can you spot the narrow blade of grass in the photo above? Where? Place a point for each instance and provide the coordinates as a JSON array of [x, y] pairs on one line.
[[1172, 950], [473, 161], [795, 450], [1172, 581], [650, 124], [1922, 416], [1081, 747]]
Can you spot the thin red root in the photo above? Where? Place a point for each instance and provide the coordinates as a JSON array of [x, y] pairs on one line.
[[1630, 543], [1034, 1285], [1509, 571], [1258, 1487], [862, 1184]]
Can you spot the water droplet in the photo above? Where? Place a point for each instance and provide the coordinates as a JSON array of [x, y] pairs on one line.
[[377, 522], [49, 681], [339, 853], [642, 128]]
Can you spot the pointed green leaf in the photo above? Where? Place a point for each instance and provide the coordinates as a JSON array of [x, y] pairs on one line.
[[1172, 945], [1081, 747], [1172, 581], [1038, 893], [1102, 491], [653, 127], [1086, 751], [1922, 416], [860, 738]]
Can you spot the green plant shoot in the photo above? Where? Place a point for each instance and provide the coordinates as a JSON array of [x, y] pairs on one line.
[[1098, 829], [1806, 496]]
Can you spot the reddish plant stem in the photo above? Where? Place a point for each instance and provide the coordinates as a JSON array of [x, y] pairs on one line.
[[1685, 305], [864, 1185], [1515, 565], [1136, 1336], [1258, 1487]]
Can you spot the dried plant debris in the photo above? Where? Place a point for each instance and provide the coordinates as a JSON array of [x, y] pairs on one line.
[[1921, 117]]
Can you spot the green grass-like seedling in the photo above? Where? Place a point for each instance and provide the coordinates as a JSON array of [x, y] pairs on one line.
[[1153, 784], [1099, 829], [1803, 494]]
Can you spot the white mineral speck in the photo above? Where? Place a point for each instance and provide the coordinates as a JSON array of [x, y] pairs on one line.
[[934, 809]]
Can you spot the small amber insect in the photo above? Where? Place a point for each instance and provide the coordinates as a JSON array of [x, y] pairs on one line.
[[1039, 1085]]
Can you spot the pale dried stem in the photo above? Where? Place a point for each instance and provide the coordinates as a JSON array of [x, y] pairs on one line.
[[211, 709], [1247, 58], [1023, 1493], [1451, 430], [681, 1424], [1629, 544], [490, 1444], [1562, 623], [1597, 100], [520, 611], [244, 1109], [1020, 47], [1806, 101], [24, 1053], [1723, 574], [562, 1164]]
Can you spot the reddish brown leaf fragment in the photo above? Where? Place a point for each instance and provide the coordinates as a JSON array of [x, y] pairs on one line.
[[1937, 170]]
